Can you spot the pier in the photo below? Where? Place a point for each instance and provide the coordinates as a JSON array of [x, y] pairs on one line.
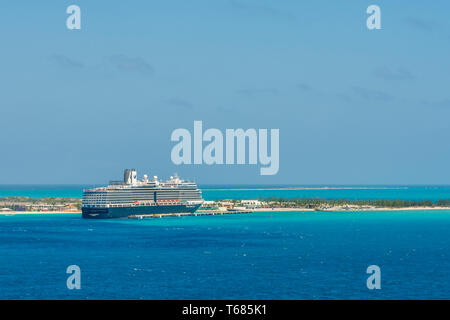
[[197, 213]]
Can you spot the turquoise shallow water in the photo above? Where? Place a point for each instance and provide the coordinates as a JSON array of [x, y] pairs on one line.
[[254, 256], [389, 192]]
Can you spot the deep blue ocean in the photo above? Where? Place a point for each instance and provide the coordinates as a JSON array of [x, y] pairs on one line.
[[271, 255]]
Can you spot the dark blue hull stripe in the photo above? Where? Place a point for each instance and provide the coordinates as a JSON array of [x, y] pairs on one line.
[[123, 212]]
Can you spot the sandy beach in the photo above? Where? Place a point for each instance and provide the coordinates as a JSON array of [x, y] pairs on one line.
[[11, 213], [304, 188], [333, 209], [340, 209]]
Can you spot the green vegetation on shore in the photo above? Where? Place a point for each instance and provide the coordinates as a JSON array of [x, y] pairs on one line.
[[315, 203], [50, 203], [58, 204]]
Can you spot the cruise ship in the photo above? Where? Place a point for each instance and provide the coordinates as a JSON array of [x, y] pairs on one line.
[[131, 197]]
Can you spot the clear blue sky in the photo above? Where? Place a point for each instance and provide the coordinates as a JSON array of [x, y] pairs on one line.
[[353, 106]]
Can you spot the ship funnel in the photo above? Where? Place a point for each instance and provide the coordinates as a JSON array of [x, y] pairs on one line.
[[130, 176], [127, 176]]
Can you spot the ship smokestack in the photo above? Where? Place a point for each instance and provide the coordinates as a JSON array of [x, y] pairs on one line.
[[127, 176], [133, 176], [130, 176]]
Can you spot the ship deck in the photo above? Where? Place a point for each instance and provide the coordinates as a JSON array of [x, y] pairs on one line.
[[197, 213]]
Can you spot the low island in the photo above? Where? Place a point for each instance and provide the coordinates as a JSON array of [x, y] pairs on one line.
[[52, 205]]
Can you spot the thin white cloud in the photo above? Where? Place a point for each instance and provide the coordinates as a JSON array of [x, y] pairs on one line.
[[65, 62], [393, 74], [129, 64]]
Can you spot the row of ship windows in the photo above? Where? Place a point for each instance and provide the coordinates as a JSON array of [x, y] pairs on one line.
[[137, 193], [129, 196], [141, 199], [146, 197], [143, 190]]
